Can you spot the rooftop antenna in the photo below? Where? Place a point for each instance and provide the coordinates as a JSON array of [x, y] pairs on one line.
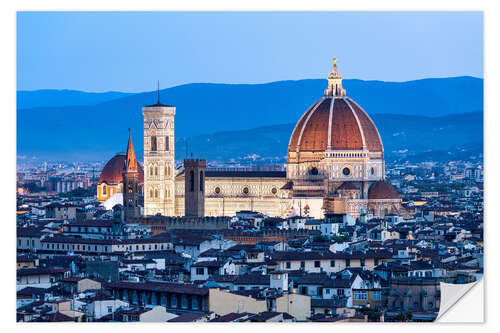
[[158, 91]]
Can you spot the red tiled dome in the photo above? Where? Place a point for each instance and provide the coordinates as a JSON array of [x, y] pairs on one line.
[[112, 171], [335, 123], [383, 190]]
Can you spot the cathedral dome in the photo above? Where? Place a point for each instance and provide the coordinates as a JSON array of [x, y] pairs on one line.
[[383, 190], [335, 122], [112, 171]]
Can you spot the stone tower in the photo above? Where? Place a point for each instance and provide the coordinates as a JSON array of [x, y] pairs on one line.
[[194, 187], [131, 183], [159, 157]]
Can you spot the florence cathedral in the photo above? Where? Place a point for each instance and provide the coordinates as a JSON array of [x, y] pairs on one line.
[[335, 164]]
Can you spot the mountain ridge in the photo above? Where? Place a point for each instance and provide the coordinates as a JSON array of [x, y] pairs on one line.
[[212, 108]]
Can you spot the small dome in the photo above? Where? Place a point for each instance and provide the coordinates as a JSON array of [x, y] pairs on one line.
[[112, 171], [383, 190]]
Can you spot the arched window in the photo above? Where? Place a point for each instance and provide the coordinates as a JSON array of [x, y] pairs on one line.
[[191, 177], [104, 189], [156, 171], [151, 170], [156, 193], [153, 143], [150, 193], [167, 171], [201, 181], [166, 143]]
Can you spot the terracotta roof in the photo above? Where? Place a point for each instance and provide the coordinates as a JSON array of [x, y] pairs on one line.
[[175, 288], [383, 190], [186, 317], [347, 186], [350, 128], [113, 170]]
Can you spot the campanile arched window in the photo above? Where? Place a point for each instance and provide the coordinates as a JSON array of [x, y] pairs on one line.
[[191, 178], [167, 143], [201, 181], [153, 144]]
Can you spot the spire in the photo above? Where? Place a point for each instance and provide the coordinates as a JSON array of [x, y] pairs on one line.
[[159, 92], [130, 161]]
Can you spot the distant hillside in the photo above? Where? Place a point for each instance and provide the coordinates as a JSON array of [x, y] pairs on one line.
[[416, 135], [100, 130], [48, 97]]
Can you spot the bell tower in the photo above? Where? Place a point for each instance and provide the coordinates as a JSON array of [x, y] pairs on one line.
[[159, 159], [131, 183]]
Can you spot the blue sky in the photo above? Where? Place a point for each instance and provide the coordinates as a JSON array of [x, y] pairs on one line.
[[129, 51]]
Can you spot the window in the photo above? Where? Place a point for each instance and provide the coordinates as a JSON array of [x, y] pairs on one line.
[[166, 143], [167, 171], [156, 171], [362, 262], [346, 171], [151, 170], [377, 296], [200, 271], [104, 189], [332, 263], [201, 181], [245, 190], [150, 193], [327, 291], [302, 264], [360, 295], [340, 292], [156, 193], [153, 143], [348, 263], [376, 262], [288, 265], [110, 309], [191, 177], [317, 263], [184, 302], [173, 301]]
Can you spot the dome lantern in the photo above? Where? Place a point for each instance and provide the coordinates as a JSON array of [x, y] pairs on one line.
[[335, 82]]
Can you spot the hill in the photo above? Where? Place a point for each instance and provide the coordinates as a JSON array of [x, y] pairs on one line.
[[86, 130]]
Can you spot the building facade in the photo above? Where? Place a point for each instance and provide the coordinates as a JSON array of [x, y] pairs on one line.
[[335, 165]]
